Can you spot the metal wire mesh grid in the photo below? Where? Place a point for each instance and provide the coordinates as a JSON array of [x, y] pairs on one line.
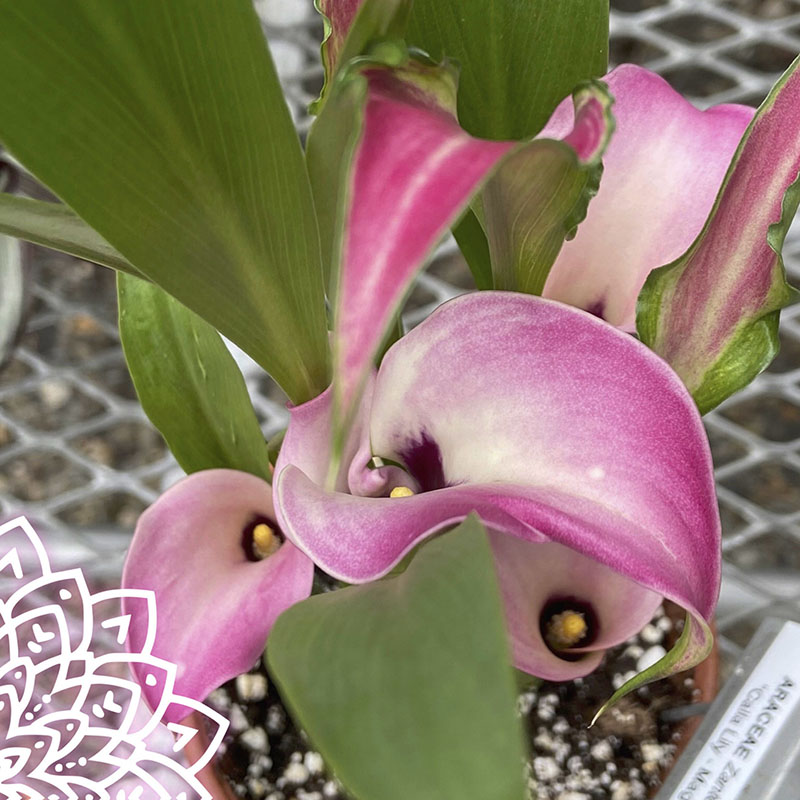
[[78, 456]]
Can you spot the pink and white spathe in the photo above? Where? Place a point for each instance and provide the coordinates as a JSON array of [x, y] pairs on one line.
[[215, 604], [662, 171], [579, 449]]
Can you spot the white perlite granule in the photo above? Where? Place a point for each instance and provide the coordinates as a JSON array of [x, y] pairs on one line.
[[546, 768], [296, 773], [251, 687], [313, 762]]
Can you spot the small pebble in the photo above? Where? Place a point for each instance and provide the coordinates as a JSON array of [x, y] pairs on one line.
[[650, 634], [237, 719], [255, 739], [257, 788], [651, 768], [581, 782], [313, 762], [255, 770], [54, 393], [650, 657], [296, 773], [621, 790], [251, 687], [276, 720], [546, 768], [551, 699], [602, 751], [544, 740], [574, 764], [652, 751], [525, 702], [220, 700], [546, 713], [632, 651], [561, 751], [560, 726], [568, 795]]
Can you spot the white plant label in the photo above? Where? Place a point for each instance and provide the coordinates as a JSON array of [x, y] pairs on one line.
[[751, 724]]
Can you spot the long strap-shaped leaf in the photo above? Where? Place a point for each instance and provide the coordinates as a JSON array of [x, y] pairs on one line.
[[188, 382], [713, 313], [56, 226], [518, 59], [163, 125]]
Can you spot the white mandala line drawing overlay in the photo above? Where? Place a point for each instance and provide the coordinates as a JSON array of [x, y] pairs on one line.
[[74, 724]]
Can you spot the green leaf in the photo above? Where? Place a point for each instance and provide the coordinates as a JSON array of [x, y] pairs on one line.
[[471, 240], [163, 125], [405, 684], [693, 646], [188, 383], [56, 226], [712, 314], [538, 197], [518, 58]]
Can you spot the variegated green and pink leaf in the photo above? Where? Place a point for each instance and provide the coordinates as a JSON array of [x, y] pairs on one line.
[[713, 312]]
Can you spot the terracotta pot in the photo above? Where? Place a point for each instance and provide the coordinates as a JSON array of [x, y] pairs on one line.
[[209, 776]]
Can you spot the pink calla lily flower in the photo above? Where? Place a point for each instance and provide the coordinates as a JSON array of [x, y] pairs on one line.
[[580, 450], [662, 170], [216, 601]]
